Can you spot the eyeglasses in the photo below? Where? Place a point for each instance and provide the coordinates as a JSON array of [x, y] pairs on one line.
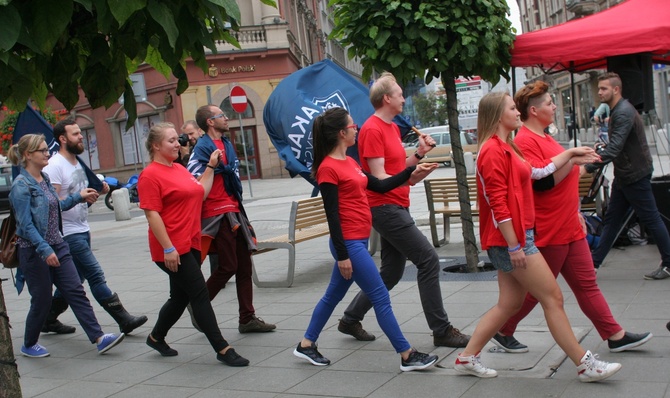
[[220, 115], [352, 126], [44, 151]]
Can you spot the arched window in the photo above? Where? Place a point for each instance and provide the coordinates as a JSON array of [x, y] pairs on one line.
[[230, 112]]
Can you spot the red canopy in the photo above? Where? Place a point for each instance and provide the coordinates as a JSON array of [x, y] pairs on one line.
[[634, 26]]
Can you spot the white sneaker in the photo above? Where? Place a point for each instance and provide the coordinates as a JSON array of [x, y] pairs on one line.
[[472, 365], [592, 369]]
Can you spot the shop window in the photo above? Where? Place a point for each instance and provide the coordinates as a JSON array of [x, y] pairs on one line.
[[134, 151], [90, 154]]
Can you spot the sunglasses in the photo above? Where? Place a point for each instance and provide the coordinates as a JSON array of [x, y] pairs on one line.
[[352, 126], [220, 115]]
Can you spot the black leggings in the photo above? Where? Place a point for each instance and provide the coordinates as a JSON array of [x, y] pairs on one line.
[[187, 285]]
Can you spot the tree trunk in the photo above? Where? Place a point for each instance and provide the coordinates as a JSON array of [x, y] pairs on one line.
[[471, 251], [9, 373]]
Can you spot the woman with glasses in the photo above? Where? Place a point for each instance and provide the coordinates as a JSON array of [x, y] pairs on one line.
[[44, 256], [343, 185]]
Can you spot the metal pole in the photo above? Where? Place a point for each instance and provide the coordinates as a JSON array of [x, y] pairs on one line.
[[246, 159], [573, 116]]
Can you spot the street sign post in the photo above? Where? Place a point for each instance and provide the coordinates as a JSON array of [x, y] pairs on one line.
[[238, 100]]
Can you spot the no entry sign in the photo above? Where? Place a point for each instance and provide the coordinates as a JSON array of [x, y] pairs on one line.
[[238, 99]]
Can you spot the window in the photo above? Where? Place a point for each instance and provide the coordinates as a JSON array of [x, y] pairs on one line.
[[90, 154], [134, 151]]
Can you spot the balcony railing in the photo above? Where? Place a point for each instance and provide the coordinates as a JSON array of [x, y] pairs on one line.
[[582, 7]]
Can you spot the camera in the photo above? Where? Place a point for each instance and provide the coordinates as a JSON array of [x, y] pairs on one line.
[[600, 148], [183, 139]]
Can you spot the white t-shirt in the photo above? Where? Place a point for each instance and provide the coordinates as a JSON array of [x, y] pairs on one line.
[[71, 179]]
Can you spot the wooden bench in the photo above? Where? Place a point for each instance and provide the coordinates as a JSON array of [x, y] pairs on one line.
[[442, 198], [307, 220], [600, 201]]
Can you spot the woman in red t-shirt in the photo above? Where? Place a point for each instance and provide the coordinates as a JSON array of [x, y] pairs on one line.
[[559, 226], [343, 184], [507, 220], [172, 201]]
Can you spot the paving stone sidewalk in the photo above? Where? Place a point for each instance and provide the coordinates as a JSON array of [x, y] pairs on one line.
[[358, 369]]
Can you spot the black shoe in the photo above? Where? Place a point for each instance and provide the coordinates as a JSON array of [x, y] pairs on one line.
[[417, 361], [57, 327], [355, 329], [311, 354], [231, 358], [162, 347], [628, 341], [509, 344], [452, 338], [667, 326]]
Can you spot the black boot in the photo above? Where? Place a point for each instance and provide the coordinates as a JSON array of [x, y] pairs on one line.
[[52, 324], [127, 323]]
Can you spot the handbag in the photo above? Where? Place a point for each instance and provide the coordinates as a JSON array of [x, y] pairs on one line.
[[9, 256]]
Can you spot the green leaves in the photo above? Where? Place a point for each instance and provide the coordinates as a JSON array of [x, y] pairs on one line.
[[123, 9], [10, 23], [48, 22], [163, 15], [57, 47], [409, 37]]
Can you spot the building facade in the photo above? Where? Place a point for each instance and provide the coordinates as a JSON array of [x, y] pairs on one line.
[[275, 42]]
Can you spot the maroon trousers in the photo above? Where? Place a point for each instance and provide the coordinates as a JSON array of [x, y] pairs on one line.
[[574, 262], [234, 260]]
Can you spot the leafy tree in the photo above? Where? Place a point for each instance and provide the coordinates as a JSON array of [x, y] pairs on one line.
[[49, 46], [431, 109], [447, 38]]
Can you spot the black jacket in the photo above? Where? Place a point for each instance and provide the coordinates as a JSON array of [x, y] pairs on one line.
[[627, 148]]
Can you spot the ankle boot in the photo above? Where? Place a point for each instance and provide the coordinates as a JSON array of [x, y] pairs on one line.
[[52, 324], [127, 323]]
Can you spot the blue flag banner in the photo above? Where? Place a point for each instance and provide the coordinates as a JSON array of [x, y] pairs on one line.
[[31, 122], [301, 97]]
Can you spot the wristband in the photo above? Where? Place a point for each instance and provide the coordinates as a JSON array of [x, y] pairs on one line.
[[514, 249], [211, 167], [170, 250], [416, 155]]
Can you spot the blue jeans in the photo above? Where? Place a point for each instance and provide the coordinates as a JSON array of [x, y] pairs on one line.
[[401, 240], [367, 277], [40, 278], [639, 196], [87, 266]]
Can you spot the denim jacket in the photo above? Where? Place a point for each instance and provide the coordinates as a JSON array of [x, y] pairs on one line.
[[31, 209]]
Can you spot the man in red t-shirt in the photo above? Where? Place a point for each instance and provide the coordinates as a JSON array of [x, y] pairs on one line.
[[223, 216], [382, 154]]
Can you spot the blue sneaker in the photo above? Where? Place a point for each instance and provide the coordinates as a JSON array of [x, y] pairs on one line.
[[36, 351], [109, 341]]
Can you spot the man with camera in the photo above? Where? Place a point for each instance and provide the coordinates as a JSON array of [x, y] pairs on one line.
[[187, 139], [629, 153]]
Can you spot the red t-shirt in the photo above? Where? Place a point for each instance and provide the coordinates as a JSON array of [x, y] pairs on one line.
[[218, 201], [556, 210], [177, 196], [378, 139], [355, 217]]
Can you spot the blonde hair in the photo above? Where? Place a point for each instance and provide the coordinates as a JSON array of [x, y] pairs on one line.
[[156, 135], [27, 143], [491, 108], [380, 88]]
